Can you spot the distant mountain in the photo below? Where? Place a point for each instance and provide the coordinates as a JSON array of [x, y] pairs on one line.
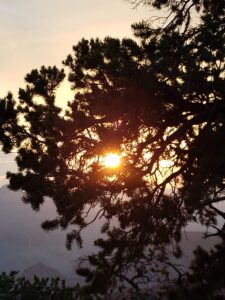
[[25, 247], [24, 243], [40, 270]]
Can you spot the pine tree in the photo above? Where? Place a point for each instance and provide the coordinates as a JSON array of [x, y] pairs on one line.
[[156, 100]]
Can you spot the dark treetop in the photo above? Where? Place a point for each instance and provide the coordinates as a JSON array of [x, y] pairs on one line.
[[159, 97]]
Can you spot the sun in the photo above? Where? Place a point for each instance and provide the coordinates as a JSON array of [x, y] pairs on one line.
[[111, 160]]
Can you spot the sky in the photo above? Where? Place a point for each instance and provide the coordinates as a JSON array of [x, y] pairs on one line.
[[42, 32]]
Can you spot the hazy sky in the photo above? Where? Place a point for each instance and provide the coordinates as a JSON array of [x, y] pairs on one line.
[[41, 32]]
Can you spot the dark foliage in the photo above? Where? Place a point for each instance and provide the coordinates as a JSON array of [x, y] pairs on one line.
[[206, 279], [158, 101], [13, 287]]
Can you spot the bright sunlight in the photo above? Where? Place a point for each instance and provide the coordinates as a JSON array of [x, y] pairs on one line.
[[111, 160]]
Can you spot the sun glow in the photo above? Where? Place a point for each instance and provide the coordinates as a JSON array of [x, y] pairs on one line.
[[111, 160]]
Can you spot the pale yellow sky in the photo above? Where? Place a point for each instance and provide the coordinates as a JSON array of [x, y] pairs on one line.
[[42, 32]]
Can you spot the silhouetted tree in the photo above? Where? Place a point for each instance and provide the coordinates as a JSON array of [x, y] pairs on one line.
[[13, 287], [159, 102], [206, 278]]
